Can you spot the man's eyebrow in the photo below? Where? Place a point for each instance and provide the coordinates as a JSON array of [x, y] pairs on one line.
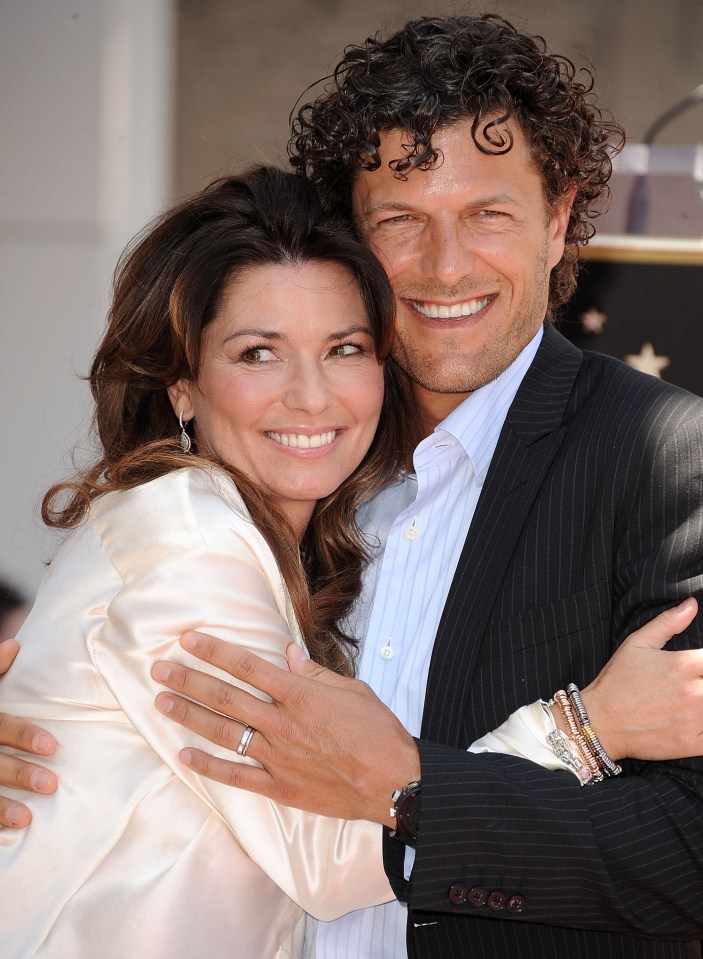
[[479, 202], [387, 207]]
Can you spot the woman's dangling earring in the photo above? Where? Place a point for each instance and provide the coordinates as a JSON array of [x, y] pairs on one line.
[[186, 443]]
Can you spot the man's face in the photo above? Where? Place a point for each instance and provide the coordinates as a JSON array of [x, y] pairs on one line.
[[468, 247]]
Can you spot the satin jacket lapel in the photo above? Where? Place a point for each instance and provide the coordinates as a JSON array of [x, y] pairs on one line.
[[528, 442]]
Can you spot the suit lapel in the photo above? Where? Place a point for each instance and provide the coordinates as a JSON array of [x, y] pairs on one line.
[[528, 443]]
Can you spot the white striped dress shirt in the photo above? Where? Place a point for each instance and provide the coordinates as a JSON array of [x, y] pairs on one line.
[[417, 529]]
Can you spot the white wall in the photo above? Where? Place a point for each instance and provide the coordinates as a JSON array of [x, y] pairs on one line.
[[85, 159], [243, 63]]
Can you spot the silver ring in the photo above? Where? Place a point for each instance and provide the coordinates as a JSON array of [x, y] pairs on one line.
[[245, 741]]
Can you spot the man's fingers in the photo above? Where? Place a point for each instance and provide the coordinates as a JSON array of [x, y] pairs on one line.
[[214, 693], [8, 650], [235, 660], [20, 734], [240, 775], [212, 726], [300, 664], [252, 669], [667, 624], [217, 729]]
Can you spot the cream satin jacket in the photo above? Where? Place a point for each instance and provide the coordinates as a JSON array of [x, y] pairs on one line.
[[135, 855]]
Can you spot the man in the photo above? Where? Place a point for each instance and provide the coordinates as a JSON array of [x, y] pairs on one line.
[[554, 506], [551, 512]]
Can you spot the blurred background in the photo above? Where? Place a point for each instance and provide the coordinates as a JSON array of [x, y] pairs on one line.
[[110, 109]]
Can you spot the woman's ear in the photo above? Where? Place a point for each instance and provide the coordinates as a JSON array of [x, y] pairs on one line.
[[179, 394]]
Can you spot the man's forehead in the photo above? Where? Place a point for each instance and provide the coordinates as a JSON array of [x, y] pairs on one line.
[[461, 166]]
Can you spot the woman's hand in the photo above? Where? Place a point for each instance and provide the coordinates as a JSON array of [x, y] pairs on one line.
[[647, 702], [14, 772]]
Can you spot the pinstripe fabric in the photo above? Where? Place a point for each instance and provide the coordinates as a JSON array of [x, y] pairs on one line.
[[590, 521], [404, 591]]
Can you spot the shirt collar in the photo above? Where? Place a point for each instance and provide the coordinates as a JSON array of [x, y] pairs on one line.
[[476, 423]]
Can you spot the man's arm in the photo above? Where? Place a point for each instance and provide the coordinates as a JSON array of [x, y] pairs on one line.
[[325, 742], [623, 856], [15, 772], [329, 745]]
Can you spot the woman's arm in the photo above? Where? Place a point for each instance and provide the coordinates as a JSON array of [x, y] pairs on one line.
[[208, 567]]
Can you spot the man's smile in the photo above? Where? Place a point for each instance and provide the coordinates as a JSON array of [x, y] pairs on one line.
[[441, 311]]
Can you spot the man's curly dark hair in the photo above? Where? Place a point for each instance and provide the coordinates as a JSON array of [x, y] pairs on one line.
[[436, 71]]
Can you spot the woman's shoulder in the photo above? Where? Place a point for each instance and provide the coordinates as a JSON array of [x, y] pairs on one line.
[[185, 510]]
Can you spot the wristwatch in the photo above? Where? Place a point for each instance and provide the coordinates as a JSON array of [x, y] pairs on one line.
[[406, 812]]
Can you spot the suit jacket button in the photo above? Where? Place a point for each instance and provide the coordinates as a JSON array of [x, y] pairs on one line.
[[497, 899], [517, 903], [477, 896], [457, 893]]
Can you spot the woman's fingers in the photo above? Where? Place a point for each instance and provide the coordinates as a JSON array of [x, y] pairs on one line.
[[647, 702], [21, 734]]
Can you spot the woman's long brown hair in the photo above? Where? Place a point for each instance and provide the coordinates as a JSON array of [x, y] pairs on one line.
[[168, 286]]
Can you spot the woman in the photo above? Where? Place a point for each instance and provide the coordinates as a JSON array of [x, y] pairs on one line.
[[238, 385], [238, 392]]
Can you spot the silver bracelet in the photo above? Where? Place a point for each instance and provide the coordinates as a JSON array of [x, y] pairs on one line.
[[604, 760], [562, 749]]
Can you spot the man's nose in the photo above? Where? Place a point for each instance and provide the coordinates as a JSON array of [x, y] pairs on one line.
[[447, 256]]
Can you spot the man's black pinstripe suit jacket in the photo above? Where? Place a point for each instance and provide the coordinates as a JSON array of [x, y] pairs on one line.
[[590, 522]]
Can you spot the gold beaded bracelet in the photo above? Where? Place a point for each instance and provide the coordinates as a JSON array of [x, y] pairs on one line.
[[575, 735]]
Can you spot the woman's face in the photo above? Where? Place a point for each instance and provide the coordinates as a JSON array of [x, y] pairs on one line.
[[289, 390]]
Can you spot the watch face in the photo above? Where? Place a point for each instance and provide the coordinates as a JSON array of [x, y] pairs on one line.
[[408, 814]]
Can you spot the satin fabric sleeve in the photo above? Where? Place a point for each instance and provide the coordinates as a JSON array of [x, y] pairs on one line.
[[198, 563], [524, 734]]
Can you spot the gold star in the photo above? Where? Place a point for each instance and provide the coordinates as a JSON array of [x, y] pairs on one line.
[[593, 320], [647, 361]]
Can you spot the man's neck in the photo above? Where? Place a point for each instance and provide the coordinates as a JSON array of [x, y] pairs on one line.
[[434, 407]]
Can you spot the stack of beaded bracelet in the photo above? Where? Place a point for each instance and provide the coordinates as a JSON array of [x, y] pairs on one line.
[[582, 735], [607, 765]]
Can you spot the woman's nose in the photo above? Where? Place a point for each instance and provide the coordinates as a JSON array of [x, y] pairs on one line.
[[308, 389]]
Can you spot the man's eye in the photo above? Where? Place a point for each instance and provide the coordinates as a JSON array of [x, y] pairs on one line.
[[401, 218]]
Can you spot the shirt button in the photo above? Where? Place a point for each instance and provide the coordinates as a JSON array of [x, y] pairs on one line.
[[412, 532], [387, 652]]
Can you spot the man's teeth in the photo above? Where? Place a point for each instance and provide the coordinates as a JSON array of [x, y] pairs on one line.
[[437, 312], [302, 441]]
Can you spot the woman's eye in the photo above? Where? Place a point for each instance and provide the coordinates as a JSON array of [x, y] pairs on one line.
[[257, 354], [346, 349]]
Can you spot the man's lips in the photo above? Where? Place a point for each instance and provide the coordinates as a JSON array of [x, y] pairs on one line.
[[442, 311]]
